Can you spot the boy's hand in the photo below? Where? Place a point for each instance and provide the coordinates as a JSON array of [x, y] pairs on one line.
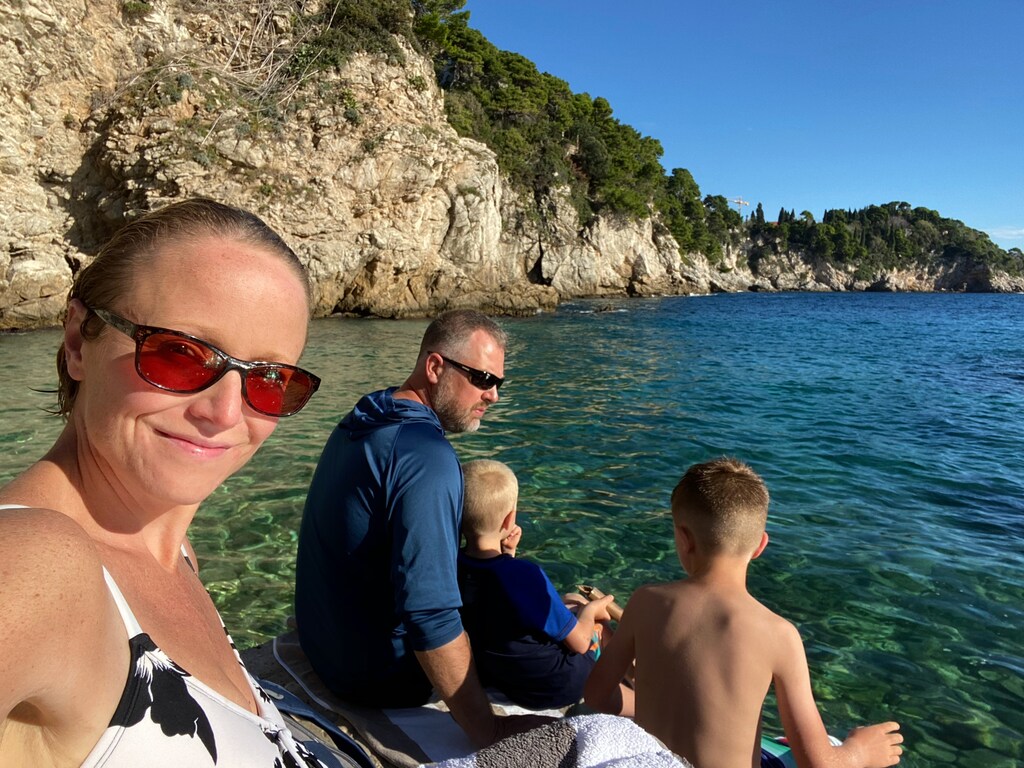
[[877, 746], [510, 542], [589, 617], [598, 608]]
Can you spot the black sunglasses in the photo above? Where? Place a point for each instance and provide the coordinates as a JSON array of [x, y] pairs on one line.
[[177, 362], [479, 379]]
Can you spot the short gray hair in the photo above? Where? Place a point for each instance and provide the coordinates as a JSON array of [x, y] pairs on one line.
[[450, 331]]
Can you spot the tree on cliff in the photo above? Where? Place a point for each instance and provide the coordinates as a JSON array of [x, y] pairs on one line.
[[882, 237], [546, 137]]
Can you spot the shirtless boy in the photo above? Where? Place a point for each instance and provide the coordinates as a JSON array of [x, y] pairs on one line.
[[707, 652]]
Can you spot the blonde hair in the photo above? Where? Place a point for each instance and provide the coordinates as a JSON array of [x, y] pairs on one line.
[[724, 504], [491, 492]]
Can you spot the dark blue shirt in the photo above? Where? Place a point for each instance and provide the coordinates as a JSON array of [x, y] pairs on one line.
[[516, 623], [376, 568]]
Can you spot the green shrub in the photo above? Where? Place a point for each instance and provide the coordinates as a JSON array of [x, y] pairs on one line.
[[134, 10]]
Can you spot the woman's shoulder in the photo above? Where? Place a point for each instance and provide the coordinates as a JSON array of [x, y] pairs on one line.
[[60, 632], [52, 584], [38, 528], [45, 552]]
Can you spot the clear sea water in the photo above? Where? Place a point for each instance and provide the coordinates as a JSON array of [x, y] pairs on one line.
[[887, 426]]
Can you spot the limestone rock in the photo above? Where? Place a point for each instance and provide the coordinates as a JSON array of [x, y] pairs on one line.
[[110, 110]]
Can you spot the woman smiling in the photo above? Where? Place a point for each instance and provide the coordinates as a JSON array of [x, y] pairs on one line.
[[179, 355]]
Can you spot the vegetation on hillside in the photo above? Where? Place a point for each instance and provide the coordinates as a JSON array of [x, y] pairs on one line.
[[546, 137], [344, 27], [878, 238]]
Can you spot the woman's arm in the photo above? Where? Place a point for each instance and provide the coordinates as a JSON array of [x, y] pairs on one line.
[[63, 649]]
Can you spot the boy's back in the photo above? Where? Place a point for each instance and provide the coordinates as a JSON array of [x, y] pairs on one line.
[[706, 652], [705, 657]]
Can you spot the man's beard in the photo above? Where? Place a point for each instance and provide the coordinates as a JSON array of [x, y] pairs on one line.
[[445, 406]]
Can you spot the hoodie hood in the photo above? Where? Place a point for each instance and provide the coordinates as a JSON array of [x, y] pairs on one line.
[[380, 409]]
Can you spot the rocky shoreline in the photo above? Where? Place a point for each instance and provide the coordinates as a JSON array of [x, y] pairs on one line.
[[394, 214]]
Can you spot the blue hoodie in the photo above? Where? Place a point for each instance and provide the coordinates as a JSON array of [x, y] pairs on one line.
[[376, 574]]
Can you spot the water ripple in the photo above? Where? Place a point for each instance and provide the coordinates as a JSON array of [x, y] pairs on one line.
[[886, 426]]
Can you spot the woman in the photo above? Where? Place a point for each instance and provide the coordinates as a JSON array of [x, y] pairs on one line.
[[111, 651]]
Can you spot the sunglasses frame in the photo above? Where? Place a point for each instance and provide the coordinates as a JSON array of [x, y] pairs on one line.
[[139, 334], [482, 380]]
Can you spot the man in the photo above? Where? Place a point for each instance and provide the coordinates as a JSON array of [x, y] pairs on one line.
[[376, 590]]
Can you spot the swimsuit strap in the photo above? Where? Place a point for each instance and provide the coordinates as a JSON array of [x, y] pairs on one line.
[[131, 624]]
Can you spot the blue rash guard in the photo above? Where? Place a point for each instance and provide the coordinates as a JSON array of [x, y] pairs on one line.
[[376, 569], [516, 622]]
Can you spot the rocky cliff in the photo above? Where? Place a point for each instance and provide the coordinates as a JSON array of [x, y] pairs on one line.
[[113, 107]]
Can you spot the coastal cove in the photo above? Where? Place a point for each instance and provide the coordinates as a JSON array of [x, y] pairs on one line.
[[402, 192], [887, 427]]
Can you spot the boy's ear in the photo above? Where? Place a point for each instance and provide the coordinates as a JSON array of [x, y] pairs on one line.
[[761, 546], [686, 541], [508, 521]]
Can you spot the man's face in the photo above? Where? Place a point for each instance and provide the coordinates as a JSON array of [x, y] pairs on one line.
[[459, 404]]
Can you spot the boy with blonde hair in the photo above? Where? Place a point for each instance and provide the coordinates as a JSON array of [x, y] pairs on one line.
[[707, 652], [526, 641]]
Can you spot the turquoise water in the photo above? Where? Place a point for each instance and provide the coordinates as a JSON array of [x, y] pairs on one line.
[[887, 426]]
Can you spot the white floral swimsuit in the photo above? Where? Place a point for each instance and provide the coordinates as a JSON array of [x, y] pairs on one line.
[[168, 718]]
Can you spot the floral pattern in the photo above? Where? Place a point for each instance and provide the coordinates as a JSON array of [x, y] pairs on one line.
[[162, 699], [168, 719], [160, 692]]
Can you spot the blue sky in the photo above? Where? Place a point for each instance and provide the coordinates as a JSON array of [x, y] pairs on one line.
[[804, 105]]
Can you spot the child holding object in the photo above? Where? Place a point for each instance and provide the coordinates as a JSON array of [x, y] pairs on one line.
[[707, 652], [526, 642]]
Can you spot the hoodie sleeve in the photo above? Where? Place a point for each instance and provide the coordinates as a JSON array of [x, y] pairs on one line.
[[425, 514]]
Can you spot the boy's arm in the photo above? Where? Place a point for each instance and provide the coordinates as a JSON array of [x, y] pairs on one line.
[[580, 637], [603, 691], [875, 746]]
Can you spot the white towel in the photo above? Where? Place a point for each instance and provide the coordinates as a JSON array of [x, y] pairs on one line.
[[585, 741]]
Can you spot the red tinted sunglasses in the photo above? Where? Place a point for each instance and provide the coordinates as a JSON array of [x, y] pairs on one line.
[[177, 362]]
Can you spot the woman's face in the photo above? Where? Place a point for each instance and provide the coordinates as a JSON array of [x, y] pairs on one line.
[[163, 448]]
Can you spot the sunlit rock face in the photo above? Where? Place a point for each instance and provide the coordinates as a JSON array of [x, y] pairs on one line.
[[115, 107]]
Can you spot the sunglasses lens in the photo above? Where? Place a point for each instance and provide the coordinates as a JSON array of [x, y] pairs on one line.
[[182, 364], [177, 363], [485, 380], [277, 390]]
